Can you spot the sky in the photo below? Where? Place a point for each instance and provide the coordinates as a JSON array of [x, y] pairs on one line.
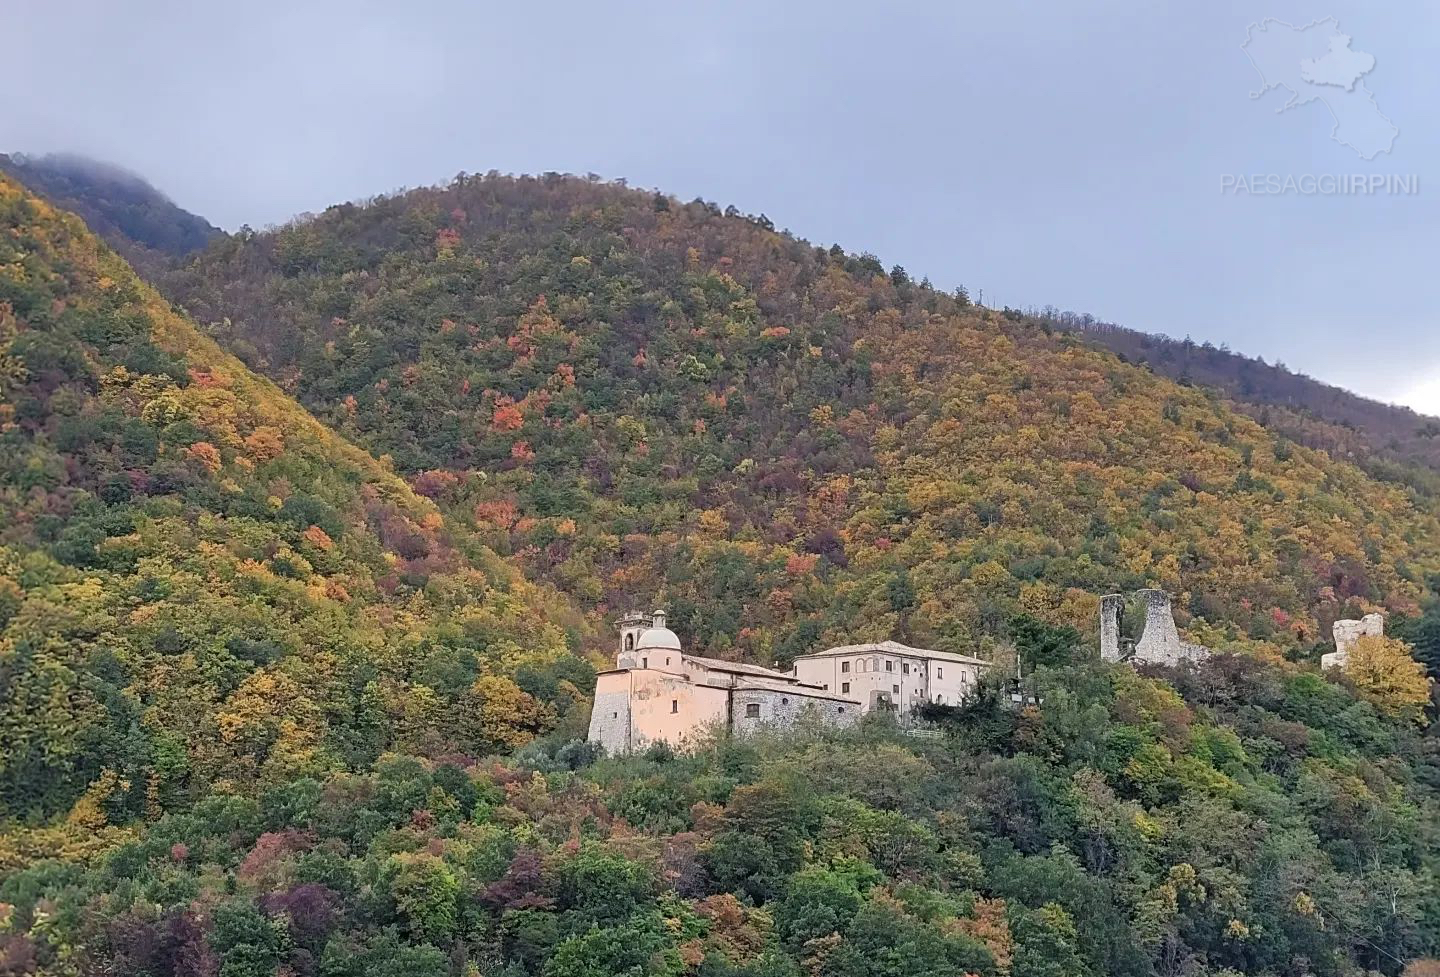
[[1081, 155]]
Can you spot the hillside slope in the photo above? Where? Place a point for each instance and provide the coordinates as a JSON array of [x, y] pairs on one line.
[[638, 397], [1309, 411], [203, 587], [1258, 821], [133, 217], [269, 670]]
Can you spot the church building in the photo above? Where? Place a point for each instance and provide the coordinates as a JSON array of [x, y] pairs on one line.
[[657, 692]]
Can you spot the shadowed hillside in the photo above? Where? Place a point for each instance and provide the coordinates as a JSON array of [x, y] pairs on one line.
[[133, 217], [1381, 437], [268, 710]]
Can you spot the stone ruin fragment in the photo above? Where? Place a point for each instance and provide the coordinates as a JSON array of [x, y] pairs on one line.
[[1159, 640], [1347, 633]]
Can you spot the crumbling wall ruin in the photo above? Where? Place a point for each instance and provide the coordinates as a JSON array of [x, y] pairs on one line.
[[1159, 642], [1347, 633], [1112, 606]]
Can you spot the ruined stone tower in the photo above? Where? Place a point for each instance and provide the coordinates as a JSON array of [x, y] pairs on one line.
[[1347, 633], [1160, 640], [1112, 606]]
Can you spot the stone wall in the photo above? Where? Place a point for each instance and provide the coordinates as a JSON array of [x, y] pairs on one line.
[[1347, 633], [1159, 643], [610, 715], [1111, 607], [783, 708]]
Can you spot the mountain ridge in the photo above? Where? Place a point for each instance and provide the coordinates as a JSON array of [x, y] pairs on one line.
[[122, 207], [570, 337]]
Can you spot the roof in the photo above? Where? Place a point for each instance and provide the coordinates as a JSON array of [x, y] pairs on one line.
[[721, 665], [895, 648], [662, 638], [805, 691]]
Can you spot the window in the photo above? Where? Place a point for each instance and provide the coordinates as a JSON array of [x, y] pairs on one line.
[[845, 688], [904, 668], [939, 673], [889, 665], [826, 686], [841, 709], [940, 699], [875, 664], [752, 710], [667, 661], [614, 715], [674, 705], [844, 666], [784, 701], [895, 689], [630, 642], [644, 663]]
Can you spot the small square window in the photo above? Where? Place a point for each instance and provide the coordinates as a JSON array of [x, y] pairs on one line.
[[844, 666], [752, 710], [845, 687], [896, 689], [614, 715]]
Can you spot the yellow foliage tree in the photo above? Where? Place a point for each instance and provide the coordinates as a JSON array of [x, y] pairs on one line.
[[1385, 673], [498, 714]]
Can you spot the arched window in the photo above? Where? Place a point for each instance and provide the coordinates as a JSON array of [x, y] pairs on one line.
[[630, 642]]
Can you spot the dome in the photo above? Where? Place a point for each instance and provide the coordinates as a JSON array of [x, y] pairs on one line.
[[661, 639]]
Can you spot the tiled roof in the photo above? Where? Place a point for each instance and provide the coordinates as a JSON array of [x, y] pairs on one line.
[[721, 665], [896, 648]]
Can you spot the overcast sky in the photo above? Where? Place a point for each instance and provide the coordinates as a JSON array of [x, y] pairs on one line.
[[1046, 152]]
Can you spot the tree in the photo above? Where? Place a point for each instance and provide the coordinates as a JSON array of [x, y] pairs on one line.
[[1384, 671], [818, 903], [425, 891], [1047, 944]]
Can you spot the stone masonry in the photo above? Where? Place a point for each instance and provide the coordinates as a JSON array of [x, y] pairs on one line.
[[1347, 632], [1159, 642]]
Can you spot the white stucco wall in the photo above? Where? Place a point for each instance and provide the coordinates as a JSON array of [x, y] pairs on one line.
[[634, 709], [907, 679]]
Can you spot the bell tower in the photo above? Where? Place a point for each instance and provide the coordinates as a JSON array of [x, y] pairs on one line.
[[631, 625]]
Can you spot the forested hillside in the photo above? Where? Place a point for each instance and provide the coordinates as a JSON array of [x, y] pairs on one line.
[[1258, 821], [268, 709], [635, 396], [201, 587], [1317, 414], [133, 217]]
